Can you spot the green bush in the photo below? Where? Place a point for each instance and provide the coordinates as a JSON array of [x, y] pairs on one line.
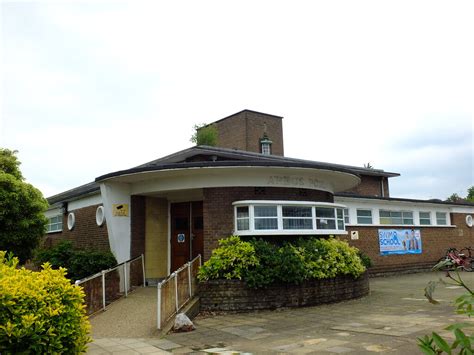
[[263, 273], [327, 258], [79, 263], [40, 312], [304, 259], [366, 260], [229, 261]]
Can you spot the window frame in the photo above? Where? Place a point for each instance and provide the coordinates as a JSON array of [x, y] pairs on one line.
[[402, 217], [437, 213], [266, 148], [420, 218], [371, 216], [339, 225], [50, 224], [347, 217]]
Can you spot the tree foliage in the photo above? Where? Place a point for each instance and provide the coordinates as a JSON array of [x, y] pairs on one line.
[[22, 207], [205, 135], [470, 194], [9, 163], [456, 198]]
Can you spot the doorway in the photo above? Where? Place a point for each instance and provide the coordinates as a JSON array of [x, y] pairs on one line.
[[186, 232]]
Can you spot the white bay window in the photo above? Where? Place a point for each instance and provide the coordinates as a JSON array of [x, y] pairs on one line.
[[288, 217]]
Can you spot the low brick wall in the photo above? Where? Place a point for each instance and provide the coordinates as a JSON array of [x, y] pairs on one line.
[[235, 296]]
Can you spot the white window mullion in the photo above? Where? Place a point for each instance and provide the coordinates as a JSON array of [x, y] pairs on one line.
[[313, 211], [251, 219], [280, 218]]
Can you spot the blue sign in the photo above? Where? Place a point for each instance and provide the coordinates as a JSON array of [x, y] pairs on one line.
[[181, 238], [399, 241]]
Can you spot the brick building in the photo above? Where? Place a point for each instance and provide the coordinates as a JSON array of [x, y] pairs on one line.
[[178, 206]]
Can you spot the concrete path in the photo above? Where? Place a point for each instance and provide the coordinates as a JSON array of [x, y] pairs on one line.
[[131, 317], [388, 320]]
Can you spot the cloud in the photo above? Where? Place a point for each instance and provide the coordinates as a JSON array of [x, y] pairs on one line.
[[98, 87]]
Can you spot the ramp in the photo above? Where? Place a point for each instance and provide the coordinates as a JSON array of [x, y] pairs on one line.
[[131, 317]]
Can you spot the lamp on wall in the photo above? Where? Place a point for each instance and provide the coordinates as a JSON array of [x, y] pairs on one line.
[[63, 208]]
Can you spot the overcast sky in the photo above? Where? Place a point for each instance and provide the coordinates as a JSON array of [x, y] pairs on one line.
[[93, 87]]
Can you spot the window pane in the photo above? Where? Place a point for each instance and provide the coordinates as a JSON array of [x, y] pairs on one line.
[[385, 220], [407, 221], [364, 220], [365, 213], [346, 215], [266, 223], [242, 212], [425, 222], [339, 213], [297, 223], [397, 220], [425, 215], [441, 218], [340, 224], [407, 215], [242, 224], [265, 211], [326, 223], [396, 214], [325, 212], [297, 211]]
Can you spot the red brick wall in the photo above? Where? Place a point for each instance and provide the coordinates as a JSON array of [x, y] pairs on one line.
[[137, 227], [236, 296], [244, 130], [435, 241], [218, 211], [371, 186], [86, 234]]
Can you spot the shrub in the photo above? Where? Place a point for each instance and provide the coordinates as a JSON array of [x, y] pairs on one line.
[[79, 263], [229, 261], [304, 259], [40, 312], [327, 258], [263, 273], [366, 260]]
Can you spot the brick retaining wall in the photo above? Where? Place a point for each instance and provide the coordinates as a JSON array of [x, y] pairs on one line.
[[235, 296]]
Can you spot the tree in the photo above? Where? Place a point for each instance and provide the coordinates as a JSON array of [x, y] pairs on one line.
[[454, 198], [22, 207], [470, 194], [205, 135]]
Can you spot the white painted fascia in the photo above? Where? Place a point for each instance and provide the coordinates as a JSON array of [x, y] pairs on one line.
[[86, 201]]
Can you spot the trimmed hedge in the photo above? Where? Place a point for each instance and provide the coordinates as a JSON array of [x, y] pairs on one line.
[[40, 312], [79, 263], [261, 263]]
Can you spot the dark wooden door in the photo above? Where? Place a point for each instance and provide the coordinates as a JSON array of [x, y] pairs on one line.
[[186, 232]]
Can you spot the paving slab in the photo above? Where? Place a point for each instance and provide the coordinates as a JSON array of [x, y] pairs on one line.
[[388, 320]]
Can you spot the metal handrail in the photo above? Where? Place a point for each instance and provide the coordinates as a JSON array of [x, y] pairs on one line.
[[107, 270], [171, 277], [104, 272]]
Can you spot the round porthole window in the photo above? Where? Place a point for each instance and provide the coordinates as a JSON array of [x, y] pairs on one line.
[[469, 220], [100, 216], [71, 221]]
